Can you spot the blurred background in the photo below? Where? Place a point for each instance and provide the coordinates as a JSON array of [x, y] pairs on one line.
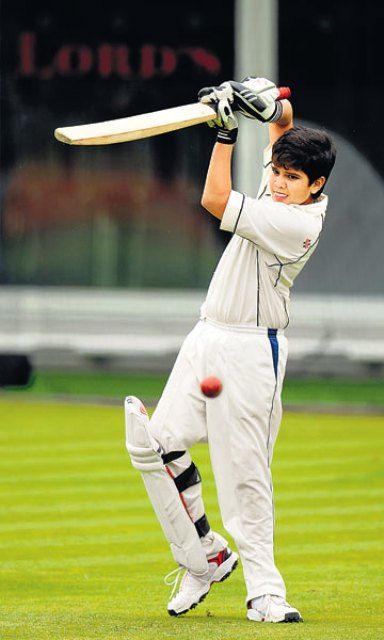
[[105, 252]]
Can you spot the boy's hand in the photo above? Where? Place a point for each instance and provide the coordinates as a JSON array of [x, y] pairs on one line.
[[257, 98], [220, 98]]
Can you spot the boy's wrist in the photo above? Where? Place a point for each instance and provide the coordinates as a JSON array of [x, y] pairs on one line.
[[277, 116], [285, 116], [227, 136]]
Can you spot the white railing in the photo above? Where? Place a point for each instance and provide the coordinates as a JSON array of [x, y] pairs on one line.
[[141, 323]]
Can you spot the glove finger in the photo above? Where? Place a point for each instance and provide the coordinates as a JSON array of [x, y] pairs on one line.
[[225, 91], [207, 95], [262, 87], [269, 93], [226, 114], [217, 122], [258, 84]]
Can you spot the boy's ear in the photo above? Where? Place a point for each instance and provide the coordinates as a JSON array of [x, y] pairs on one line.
[[317, 184]]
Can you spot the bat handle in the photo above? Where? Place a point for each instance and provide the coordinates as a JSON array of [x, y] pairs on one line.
[[284, 92]]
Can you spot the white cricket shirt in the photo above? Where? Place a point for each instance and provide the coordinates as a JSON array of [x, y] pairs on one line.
[[271, 243]]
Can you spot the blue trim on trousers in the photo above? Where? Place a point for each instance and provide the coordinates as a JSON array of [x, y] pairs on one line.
[[272, 335]]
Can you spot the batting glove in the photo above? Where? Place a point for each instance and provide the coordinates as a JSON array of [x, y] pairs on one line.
[[220, 98], [257, 98], [212, 95]]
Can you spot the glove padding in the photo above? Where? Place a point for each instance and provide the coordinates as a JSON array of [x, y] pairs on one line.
[[213, 95], [253, 97], [257, 98], [226, 122]]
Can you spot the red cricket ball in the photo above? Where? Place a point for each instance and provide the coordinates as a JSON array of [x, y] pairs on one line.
[[211, 386]]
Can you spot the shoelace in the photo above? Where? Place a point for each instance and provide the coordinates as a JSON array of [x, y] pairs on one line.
[[173, 578]]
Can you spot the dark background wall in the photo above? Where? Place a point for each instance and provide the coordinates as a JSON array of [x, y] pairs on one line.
[[332, 52], [108, 215], [129, 215]]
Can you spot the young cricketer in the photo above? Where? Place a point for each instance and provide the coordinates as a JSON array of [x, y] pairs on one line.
[[240, 339]]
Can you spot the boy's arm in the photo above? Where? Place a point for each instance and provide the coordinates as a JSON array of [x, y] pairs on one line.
[[285, 122], [218, 183]]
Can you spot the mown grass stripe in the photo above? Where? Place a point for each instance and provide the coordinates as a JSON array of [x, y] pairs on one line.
[[130, 535], [50, 477], [120, 458], [105, 506], [77, 562], [78, 523], [70, 461], [95, 434], [124, 491], [321, 549], [19, 447], [88, 476], [127, 488], [129, 521]]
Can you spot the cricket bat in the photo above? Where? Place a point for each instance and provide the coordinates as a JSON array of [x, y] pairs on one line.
[[141, 126], [137, 127]]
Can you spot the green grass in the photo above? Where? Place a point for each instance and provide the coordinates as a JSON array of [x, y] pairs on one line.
[[115, 385], [334, 391], [83, 557], [106, 384]]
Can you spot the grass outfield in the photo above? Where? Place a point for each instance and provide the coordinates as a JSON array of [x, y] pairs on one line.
[[83, 556], [150, 386]]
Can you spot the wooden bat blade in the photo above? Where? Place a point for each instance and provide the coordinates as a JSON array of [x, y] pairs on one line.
[[136, 127]]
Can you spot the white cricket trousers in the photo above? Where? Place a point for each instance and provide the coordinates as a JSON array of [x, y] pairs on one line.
[[240, 426]]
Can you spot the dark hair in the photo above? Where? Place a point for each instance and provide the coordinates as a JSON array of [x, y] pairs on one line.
[[308, 150]]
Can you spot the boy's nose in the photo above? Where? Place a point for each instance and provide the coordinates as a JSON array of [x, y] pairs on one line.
[[280, 181]]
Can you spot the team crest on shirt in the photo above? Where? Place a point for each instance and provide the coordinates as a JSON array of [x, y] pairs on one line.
[[306, 243]]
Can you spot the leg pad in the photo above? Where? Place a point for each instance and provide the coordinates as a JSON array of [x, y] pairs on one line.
[[177, 526]]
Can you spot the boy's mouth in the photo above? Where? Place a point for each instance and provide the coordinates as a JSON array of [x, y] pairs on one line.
[[279, 197]]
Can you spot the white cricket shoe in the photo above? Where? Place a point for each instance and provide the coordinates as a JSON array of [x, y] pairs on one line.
[[193, 589], [269, 608]]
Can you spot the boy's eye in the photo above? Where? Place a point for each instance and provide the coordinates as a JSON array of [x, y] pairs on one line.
[[290, 176]]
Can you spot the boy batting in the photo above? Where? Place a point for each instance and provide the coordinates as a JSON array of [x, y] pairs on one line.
[[240, 339]]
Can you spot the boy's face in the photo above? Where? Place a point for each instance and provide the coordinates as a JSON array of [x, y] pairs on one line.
[[291, 186]]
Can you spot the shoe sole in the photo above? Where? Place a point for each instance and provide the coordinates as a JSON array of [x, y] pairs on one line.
[[288, 618], [172, 612], [291, 617]]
